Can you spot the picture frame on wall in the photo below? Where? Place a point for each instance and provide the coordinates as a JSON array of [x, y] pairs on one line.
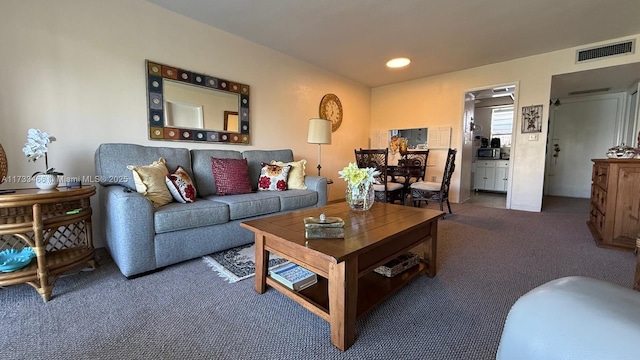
[[532, 119]]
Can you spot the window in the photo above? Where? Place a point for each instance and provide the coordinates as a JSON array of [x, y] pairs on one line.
[[502, 124]]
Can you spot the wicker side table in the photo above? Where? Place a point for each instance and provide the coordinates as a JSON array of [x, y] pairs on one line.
[[56, 224]]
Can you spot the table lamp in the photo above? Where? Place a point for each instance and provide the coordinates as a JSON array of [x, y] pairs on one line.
[[319, 133]]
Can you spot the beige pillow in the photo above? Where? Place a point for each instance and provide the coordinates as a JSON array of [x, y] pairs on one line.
[[296, 174], [150, 182]]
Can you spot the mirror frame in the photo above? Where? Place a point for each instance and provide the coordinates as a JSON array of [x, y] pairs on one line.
[[157, 73]]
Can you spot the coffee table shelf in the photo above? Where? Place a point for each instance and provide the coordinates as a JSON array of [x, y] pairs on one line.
[[376, 287]]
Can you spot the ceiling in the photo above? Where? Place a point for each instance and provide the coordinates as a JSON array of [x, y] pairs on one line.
[[499, 96], [355, 38]]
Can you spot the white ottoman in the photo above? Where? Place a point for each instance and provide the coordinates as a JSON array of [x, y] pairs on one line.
[[573, 318]]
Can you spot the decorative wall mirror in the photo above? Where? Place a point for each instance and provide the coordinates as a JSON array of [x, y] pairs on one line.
[[416, 138], [188, 106]]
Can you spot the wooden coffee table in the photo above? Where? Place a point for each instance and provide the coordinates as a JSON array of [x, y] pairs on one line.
[[345, 266]]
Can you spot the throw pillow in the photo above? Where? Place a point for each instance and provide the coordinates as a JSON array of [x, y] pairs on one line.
[[231, 176], [181, 186], [149, 180], [296, 174], [273, 177]]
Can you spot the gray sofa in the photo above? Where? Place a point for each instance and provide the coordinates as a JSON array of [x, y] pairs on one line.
[[142, 239]]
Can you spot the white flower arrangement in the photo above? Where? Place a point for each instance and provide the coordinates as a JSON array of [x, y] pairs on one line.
[[37, 147], [355, 176]]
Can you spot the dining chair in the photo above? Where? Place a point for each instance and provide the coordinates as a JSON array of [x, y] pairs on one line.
[[435, 191], [385, 190], [416, 165]]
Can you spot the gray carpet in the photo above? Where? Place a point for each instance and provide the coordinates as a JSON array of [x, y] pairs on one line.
[[487, 259]]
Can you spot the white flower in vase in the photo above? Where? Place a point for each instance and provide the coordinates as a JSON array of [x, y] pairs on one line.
[[37, 147]]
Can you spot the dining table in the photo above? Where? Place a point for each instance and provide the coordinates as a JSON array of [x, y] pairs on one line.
[[405, 174]]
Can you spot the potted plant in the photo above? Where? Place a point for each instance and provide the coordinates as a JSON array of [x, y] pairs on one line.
[[35, 148]]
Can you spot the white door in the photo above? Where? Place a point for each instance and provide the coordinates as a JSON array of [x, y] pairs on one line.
[[580, 130]]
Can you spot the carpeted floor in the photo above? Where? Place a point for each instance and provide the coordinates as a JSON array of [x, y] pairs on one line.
[[487, 259]]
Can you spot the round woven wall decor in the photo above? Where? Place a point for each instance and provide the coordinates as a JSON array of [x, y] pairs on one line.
[[3, 164]]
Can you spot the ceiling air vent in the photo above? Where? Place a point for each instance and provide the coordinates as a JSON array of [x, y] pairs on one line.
[[616, 49]]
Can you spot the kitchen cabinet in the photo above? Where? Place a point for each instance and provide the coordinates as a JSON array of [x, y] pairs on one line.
[[491, 175], [614, 217], [502, 175]]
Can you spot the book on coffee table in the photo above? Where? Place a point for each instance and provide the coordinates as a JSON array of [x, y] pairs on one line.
[[293, 276]]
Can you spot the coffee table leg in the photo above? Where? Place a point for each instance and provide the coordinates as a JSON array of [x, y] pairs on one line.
[[262, 264], [343, 302], [431, 250]]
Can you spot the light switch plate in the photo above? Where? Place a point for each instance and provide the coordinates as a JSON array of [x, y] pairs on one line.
[[533, 137]]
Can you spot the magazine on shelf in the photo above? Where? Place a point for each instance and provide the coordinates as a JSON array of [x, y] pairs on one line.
[[293, 276]]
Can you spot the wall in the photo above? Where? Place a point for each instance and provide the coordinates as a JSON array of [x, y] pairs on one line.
[[482, 117], [439, 101], [76, 69]]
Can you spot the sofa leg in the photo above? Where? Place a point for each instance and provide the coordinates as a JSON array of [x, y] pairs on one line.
[[145, 273]]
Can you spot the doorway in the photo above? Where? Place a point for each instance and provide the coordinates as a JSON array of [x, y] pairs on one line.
[[488, 125], [590, 112], [580, 129]]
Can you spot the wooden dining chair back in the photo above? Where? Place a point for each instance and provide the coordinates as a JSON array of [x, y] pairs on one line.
[[418, 159], [435, 191], [385, 190]]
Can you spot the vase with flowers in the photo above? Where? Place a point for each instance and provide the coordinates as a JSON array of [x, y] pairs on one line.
[[360, 194], [35, 148]]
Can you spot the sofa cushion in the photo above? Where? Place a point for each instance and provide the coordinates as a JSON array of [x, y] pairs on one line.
[[243, 206], [181, 186], [296, 174], [256, 157], [231, 176], [111, 160], [150, 182], [273, 177], [297, 199], [201, 161], [176, 216]]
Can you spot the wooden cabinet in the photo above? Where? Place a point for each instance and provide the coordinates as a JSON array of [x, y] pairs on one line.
[[614, 217], [491, 175]]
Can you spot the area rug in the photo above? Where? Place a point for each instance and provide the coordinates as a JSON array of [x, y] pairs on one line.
[[238, 263]]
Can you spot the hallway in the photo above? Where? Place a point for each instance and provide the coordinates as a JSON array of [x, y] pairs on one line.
[[488, 199], [550, 204]]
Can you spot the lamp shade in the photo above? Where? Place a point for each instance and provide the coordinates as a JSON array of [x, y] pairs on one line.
[[319, 131]]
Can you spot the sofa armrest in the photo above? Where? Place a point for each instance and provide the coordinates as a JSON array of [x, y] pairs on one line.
[[318, 184], [128, 225], [573, 317]]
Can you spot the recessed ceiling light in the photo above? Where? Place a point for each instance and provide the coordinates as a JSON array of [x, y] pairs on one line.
[[398, 62]]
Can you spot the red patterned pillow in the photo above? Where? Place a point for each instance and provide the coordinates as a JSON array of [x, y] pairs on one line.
[[181, 186], [231, 176], [273, 177]]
